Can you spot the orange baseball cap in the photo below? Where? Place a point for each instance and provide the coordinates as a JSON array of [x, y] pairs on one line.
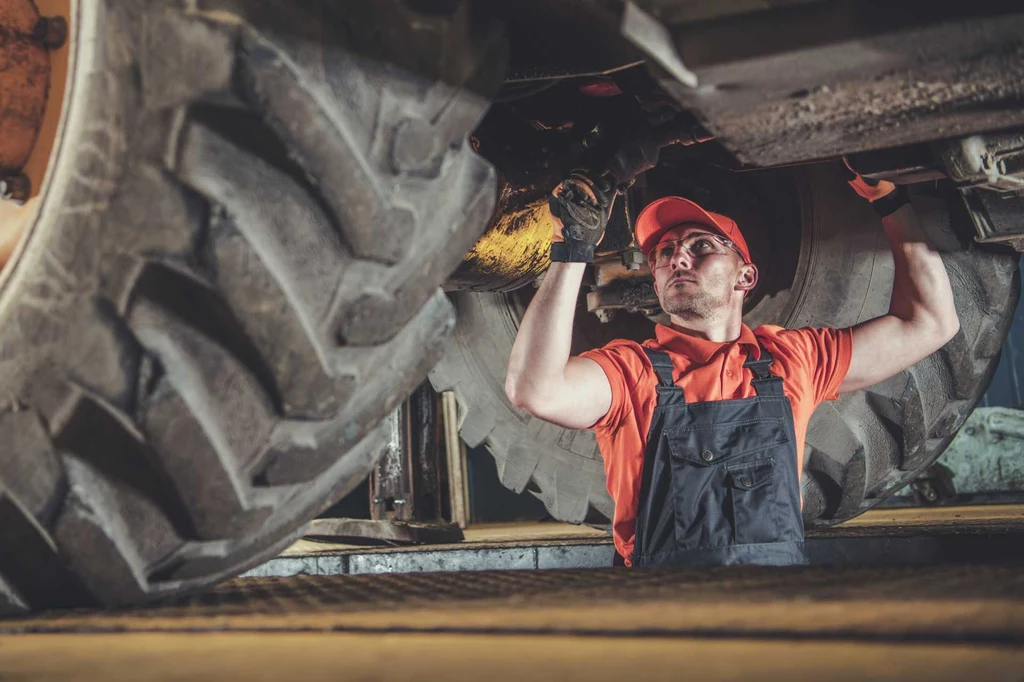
[[662, 215]]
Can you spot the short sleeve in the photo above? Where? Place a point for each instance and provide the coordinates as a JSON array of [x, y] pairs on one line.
[[621, 363], [822, 353]]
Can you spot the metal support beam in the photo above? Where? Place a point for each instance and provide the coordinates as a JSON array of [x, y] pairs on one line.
[[406, 485], [407, 491]]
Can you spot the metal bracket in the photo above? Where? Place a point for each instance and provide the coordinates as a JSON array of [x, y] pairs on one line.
[[654, 40], [997, 217], [994, 162]]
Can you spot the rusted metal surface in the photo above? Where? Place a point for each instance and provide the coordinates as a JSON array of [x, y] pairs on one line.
[[994, 162], [617, 287], [407, 485], [407, 488], [822, 79], [428, 454], [516, 247], [996, 216], [14, 216], [24, 82], [391, 481], [988, 169]]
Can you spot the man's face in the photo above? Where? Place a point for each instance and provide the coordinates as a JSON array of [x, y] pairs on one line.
[[698, 274]]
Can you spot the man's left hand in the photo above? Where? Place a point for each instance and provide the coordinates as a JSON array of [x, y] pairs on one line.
[[885, 197]]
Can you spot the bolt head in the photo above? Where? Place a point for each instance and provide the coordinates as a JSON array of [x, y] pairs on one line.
[[633, 258], [16, 188], [51, 32]]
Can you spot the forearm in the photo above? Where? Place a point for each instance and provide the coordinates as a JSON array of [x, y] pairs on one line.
[[536, 367], [921, 292], [921, 318]]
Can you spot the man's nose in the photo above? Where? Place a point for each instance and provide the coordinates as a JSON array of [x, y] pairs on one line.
[[681, 259]]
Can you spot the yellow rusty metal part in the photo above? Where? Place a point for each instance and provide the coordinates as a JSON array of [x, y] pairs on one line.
[[24, 81], [516, 247], [14, 219]]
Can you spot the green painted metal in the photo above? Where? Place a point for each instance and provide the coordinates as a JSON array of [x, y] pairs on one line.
[[987, 455]]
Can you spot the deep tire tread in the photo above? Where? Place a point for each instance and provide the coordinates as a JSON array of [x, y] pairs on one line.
[[35, 575], [261, 328]]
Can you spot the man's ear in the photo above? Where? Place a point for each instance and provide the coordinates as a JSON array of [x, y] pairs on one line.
[[747, 278]]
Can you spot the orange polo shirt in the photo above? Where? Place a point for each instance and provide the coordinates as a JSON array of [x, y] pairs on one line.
[[812, 363]]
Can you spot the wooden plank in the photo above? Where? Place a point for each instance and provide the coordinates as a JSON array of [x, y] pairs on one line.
[[930, 516], [458, 481]]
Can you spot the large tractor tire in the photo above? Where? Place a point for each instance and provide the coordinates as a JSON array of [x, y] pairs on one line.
[[233, 276], [860, 448]]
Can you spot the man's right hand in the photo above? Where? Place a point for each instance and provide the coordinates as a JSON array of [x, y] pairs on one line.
[[542, 379], [580, 208]]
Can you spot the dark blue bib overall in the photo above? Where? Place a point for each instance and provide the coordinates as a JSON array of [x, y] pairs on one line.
[[720, 483]]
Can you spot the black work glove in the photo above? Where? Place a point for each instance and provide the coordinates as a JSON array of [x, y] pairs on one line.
[[580, 207]]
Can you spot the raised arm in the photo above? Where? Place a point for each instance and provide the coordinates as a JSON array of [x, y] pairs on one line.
[[542, 379], [921, 318]]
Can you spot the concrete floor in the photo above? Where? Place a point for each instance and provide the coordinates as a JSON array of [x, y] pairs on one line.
[[902, 536]]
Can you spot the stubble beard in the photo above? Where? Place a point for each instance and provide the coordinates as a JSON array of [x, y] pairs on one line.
[[699, 305]]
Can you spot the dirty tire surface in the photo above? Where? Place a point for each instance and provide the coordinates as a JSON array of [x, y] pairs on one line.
[[859, 449], [234, 277]]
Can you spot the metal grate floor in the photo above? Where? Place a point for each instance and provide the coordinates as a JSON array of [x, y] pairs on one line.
[[931, 604]]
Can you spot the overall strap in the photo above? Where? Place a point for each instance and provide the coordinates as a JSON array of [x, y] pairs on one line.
[[765, 383], [663, 368]]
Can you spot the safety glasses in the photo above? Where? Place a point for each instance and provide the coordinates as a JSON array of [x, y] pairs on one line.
[[696, 245]]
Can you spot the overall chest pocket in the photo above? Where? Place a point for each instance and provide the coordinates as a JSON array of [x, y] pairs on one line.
[[724, 482], [752, 496]]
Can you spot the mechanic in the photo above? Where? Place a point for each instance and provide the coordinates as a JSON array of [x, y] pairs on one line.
[[702, 427]]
